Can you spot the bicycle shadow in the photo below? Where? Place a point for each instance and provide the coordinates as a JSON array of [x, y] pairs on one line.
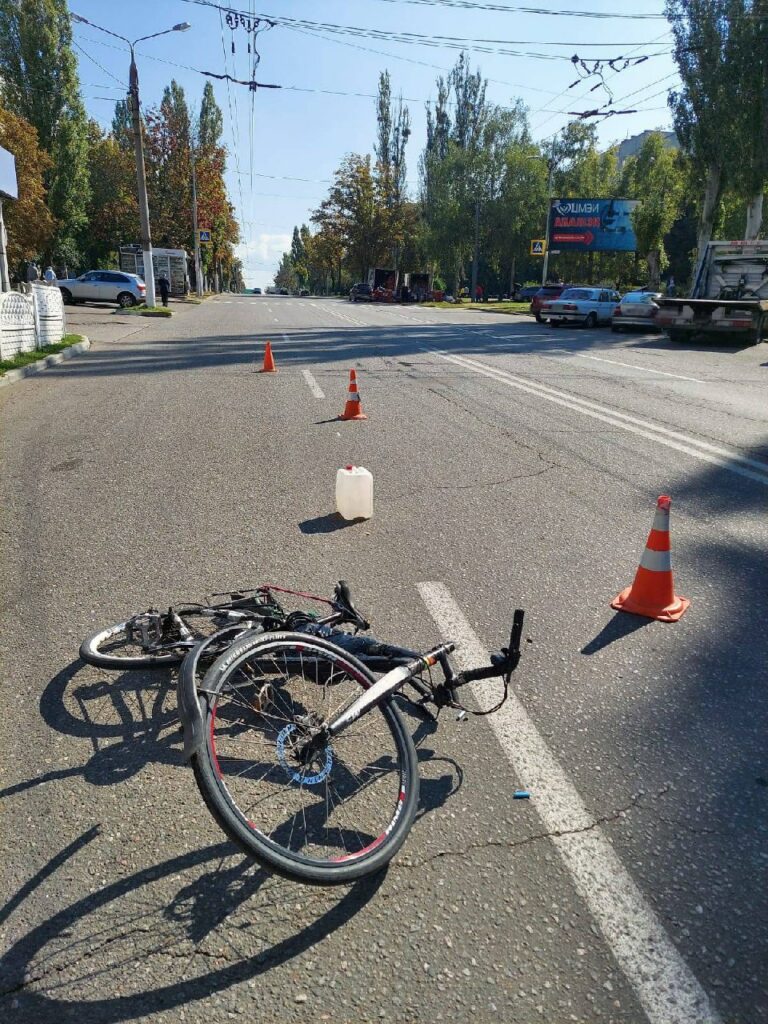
[[129, 719], [209, 918]]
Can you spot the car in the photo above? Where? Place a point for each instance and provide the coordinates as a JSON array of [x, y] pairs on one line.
[[526, 294], [636, 309], [546, 294], [587, 306], [284, 291], [303, 293], [104, 286], [361, 292], [257, 291]]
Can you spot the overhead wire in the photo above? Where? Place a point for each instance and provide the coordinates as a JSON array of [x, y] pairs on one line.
[[472, 5], [234, 127]]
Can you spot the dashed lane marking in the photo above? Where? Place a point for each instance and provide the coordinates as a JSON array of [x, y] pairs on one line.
[[664, 984], [314, 387]]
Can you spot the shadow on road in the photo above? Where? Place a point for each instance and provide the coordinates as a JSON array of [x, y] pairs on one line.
[[215, 924], [329, 523], [621, 625]]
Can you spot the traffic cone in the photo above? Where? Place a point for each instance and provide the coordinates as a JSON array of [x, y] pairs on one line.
[[269, 361], [353, 410], [653, 592]]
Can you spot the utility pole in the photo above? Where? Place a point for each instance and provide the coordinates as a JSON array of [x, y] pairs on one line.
[[198, 269], [141, 178], [5, 281], [545, 267], [477, 246]]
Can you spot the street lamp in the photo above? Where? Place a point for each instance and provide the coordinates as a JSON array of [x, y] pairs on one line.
[[133, 100]]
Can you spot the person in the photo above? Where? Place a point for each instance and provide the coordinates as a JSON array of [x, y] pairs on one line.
[[165, 288], [49, 276], [33, 273], [479, 293], [671, 286]]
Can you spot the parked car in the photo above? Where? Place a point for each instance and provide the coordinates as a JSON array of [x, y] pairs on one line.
[[636, 309], [361, 292], [546, 294], [304, 293], [104, 286], [284, 291], [257, 291], [587, 306], [527, 293]]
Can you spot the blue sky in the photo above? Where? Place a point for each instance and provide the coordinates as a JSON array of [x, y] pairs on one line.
[[275, 136]]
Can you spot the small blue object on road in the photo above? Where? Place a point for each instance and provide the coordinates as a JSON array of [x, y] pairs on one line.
[[522, 794]]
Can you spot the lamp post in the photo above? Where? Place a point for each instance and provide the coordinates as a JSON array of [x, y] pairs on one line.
[[141, 178]]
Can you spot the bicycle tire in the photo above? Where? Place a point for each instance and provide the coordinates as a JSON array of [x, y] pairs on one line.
[[387, 785], [115, 638]]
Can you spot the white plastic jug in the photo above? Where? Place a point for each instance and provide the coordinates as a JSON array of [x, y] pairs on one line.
[[354, 493]]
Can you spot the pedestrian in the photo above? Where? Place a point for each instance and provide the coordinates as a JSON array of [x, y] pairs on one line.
[[479, 293], [49, 276], [165, 288], [33, 272], [671, 287]]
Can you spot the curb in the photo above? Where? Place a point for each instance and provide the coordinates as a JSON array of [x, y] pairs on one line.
[[14, 376]]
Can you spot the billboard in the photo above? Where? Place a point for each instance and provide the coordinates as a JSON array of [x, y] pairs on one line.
[[592, 225], [8, 186]]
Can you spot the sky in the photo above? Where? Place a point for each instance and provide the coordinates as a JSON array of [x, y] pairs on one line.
[[284, 144]]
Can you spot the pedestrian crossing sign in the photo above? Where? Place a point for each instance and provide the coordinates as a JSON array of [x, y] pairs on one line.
[[538, 246], [205, 235]]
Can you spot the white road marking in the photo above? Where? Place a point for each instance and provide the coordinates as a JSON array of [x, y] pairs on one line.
[[752, 469], [634, 366], [274, 320], [314, 387], [664, 984]]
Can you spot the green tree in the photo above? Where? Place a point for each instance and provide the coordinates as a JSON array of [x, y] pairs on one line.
[[394, 130], [210, 124], [656, 178], [113, 212], [705, 108], [38, 81], [353, 211]]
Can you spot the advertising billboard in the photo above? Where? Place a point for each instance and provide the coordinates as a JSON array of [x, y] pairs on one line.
[[592, 225], [8, 187]]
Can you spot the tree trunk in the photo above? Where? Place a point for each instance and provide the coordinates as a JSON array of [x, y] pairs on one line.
[[512, 277], [754, 216], [712, 194], [653, 259]]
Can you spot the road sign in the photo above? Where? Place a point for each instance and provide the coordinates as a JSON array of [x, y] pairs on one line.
[[205, 235], [538, 246]]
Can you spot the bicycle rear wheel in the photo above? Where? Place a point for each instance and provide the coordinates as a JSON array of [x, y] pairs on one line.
[[334, 820], [137, 642]]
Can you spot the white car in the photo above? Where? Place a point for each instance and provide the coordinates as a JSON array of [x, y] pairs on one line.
[[587, 306], [104, 286]]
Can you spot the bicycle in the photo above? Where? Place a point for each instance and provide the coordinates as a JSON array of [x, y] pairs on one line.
[[290, 728]]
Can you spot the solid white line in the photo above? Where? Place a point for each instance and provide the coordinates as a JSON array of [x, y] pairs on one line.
[[634, 366], [729, 460], [664, 984], [314, 387]]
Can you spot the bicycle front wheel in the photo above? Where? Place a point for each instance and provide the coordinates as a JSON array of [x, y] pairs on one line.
[[333, 820]]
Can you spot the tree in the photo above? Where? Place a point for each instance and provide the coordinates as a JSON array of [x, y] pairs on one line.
[[704, 109], [394, 130], [654, 177], [122, 126], [210, 125], [299, 258], [113, 212], [169, 169], [353, 211], [38, 76], [28, 220], [286, 275]]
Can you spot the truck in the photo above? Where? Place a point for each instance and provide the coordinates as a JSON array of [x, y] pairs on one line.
[[729, 295], [419, 285], [383, 283]]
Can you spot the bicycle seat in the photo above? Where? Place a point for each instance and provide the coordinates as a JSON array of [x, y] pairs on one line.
[[343, 597]]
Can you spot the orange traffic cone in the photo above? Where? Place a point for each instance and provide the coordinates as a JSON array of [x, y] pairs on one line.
[[269, 362], [653, 592], [353, 409]]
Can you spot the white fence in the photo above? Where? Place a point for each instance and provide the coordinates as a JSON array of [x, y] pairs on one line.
[[30, 321]]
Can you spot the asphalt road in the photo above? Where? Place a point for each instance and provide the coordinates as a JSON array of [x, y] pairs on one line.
[[513, 464]]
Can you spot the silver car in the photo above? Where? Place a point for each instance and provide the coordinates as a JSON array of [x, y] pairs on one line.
[[636, 309], [104, 286], [587, 306]]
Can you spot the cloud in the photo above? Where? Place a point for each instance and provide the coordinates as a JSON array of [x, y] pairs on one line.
[[264, 248]]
